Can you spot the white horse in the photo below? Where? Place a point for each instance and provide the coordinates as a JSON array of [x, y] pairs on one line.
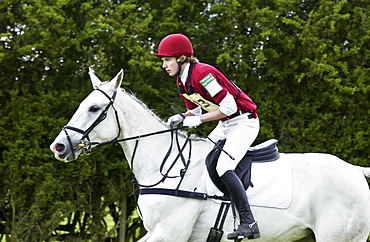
[[330, 202]]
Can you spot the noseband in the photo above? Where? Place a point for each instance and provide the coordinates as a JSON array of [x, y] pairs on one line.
[[85, 139]]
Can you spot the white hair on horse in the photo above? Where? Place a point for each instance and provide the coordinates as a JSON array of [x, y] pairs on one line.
[[322, 197]]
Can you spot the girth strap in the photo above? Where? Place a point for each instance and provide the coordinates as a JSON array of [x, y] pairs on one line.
[[177, 193]]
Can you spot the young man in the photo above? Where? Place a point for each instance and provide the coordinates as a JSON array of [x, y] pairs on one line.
[[203, 87]]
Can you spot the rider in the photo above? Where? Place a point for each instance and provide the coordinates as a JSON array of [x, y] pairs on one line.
[[202, 86]]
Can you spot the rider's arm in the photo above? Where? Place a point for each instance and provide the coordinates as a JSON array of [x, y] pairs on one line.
[[227, 108], [194, 112]]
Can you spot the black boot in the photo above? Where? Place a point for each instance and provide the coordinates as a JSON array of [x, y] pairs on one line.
[[248, 226]]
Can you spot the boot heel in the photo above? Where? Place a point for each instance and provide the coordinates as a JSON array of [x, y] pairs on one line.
[[255, 231], [254, 236]]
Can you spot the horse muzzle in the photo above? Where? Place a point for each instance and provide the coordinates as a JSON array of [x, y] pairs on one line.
[[63, 151]]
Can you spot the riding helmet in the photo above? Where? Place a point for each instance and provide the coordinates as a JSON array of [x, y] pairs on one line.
[[175, 45]]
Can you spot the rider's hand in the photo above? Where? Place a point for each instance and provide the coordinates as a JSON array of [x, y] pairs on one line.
[[176, 119], [192, 121]]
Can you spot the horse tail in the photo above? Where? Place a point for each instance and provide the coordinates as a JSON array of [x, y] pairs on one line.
[[365, 171]]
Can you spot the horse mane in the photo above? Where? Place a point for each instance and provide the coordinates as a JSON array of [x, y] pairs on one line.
[[183, 134]]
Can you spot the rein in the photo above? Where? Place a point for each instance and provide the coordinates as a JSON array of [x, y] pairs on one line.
[[98, 145], [89, 147], [180, 155]]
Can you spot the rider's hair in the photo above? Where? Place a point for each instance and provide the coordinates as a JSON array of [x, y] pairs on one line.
[[189, 59], [193, 59]]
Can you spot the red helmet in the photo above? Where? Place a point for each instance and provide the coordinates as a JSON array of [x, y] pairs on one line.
[[175, 45]]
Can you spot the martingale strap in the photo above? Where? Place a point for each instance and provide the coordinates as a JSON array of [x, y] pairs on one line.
[[180, 155], [216, 232]]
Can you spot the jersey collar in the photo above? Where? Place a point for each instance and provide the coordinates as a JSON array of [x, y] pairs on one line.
[[185, 74]]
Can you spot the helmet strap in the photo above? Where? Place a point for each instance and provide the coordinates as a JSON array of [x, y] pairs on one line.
[[180, 63]]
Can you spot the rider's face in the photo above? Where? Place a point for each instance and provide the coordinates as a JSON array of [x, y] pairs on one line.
[[170, 65]]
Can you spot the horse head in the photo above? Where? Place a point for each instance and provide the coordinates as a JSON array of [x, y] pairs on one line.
[[90, 121]]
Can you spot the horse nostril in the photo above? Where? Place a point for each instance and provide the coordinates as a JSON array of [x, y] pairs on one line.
[[59, 147]]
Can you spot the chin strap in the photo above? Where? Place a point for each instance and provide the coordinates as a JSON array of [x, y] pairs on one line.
[[180, 63]]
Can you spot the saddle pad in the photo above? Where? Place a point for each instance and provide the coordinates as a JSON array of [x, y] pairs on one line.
[[272, 184]]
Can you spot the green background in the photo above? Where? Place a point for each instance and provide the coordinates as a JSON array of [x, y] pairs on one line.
[[305, 64]]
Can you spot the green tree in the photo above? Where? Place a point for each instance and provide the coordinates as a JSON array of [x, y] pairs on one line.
[[46, 49], [305, 63]]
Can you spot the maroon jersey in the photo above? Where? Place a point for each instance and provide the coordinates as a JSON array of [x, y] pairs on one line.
[[203, 74]]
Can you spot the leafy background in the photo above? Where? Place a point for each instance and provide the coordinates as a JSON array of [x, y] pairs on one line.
[[305, 63]]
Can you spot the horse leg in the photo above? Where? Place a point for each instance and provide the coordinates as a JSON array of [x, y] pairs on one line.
[[168, 218], [345, 217], [145, 238], [347, 226], [307, 239], [163, 234]]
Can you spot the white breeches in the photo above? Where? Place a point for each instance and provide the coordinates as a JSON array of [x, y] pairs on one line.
[[240, 133]]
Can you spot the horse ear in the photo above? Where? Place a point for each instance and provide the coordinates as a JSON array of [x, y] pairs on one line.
[[117, 80], [94, 79]]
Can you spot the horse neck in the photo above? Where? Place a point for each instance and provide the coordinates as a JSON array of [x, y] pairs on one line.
[[136, 119]]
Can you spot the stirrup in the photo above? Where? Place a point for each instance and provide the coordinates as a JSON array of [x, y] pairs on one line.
[[252, 232]]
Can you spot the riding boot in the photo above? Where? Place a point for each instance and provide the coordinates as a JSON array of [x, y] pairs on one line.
[[248, 226]]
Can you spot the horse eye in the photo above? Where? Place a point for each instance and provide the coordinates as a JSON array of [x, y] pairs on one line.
[[94, 108]]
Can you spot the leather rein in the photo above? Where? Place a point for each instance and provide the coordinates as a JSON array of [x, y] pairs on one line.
[[89, 147]]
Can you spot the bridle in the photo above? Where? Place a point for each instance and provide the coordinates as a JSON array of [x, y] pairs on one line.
[[85, 139], [89, 147]]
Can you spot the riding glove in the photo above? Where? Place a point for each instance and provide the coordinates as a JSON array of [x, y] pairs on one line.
[[176, 119], [192, 121]]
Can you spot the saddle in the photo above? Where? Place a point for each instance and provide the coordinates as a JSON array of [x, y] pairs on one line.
[[264, 152]]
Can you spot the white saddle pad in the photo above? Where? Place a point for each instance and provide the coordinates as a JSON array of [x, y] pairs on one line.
[[272, 184]]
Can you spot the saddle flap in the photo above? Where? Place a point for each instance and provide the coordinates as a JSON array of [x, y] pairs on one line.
[[264, 152]]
